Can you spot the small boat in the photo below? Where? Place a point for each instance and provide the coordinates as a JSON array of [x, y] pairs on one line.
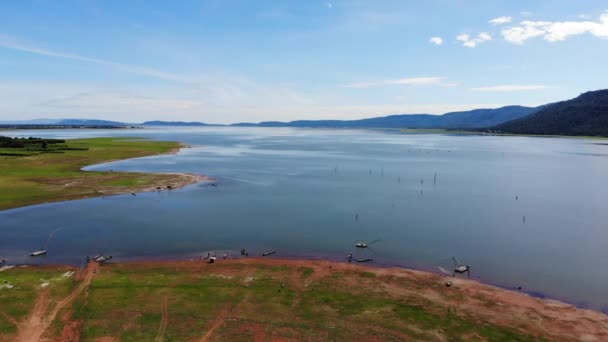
[[462, 269], [365, 260], [268, 253], [103, 258], [38, 252], [361, 245]]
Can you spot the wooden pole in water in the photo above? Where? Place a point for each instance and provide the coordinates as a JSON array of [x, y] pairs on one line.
[[435, 179]]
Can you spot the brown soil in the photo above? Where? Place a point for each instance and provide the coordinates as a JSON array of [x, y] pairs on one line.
[[544, 317], [39, 319]]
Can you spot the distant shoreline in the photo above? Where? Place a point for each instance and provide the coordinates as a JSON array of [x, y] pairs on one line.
[[28, 127], [34, 179]]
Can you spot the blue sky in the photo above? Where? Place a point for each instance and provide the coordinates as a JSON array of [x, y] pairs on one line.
[[233, 61]]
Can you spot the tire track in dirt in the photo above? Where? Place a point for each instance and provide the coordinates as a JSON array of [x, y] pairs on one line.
[[163, 323], [220, 319], [39, 320]]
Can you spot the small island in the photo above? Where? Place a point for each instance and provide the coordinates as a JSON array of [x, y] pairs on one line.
[[36, 171]]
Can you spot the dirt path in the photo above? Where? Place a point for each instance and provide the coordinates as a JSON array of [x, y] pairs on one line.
[[220, 319], [39, 319], [163, 323]]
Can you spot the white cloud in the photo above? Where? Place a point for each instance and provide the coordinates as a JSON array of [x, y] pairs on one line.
[[414, 81], [555, 31], [436, 40], [511, 87], [526, 13], [472, 42], [329, 5], [500, 20]]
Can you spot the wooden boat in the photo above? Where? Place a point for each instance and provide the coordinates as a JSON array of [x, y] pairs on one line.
[[365, 260], [268, 253], [38, 252]]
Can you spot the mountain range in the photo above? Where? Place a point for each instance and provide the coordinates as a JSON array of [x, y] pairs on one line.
[[477, 118], [586, 114]]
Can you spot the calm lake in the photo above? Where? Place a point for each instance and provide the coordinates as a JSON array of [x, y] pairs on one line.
[[522, 211]]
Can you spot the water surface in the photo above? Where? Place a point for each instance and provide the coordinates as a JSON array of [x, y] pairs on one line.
[[298, 191]]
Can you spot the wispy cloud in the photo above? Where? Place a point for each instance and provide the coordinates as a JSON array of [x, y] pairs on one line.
[[501, 20], [511, 87], [414, 81], [471, 42], [555, 31], [9, 42], [329, 5], [436, 40]]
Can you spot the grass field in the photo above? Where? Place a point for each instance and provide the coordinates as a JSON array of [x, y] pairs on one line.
[[280, 300], [51, 177]]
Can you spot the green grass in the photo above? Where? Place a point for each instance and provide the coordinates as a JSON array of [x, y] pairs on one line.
[[34, 178], [19, 300], [125, 301]]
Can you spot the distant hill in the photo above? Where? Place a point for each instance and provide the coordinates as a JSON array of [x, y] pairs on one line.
[[174, 123], [586, 114], [88, 122], [476, 118]]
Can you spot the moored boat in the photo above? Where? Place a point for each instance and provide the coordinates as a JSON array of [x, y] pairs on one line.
[[38, 252]]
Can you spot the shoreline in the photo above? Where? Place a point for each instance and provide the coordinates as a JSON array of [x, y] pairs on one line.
[[185, 177], [382, 267], [78, 183], [491, 304]]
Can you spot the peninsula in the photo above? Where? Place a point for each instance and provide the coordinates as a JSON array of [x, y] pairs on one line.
[[36, 171]]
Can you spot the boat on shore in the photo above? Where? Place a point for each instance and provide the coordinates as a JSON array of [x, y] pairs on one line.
[[100, 258]]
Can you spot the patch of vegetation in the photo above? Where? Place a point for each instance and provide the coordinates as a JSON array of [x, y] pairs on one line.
[[134, 303], [307, 271], [32, 174]]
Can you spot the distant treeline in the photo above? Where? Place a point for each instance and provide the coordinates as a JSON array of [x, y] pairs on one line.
[[8, 142], [33, 146]]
